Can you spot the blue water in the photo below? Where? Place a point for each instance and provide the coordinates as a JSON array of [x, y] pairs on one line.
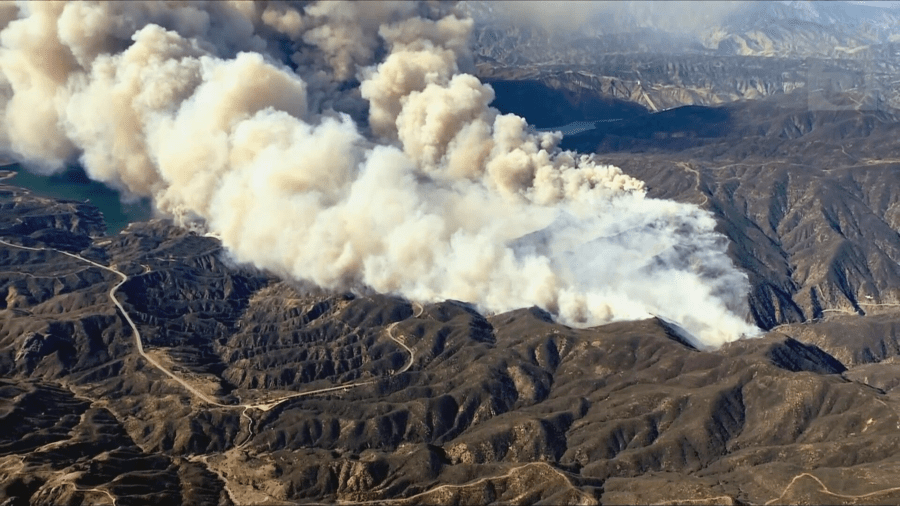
[[75, 185], [576, 127]]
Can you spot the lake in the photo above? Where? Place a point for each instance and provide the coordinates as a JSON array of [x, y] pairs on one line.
[[75, 185]]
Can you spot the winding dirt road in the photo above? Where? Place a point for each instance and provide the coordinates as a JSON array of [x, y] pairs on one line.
[[689, 168], [262, 406], [825, 489], [586, 499]]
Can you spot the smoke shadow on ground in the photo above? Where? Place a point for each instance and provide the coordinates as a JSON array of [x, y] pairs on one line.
[[675, 129], [635, 128], [544, 106]]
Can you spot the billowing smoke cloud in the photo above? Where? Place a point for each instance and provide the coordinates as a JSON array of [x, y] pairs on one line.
[[343, 144]]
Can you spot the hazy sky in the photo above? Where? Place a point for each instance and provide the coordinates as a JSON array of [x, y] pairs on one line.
[[890, 3], [684, 16], [680, 14]]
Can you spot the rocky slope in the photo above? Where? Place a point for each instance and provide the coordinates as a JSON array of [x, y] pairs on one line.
[[509, 408], [237, 387], [757, 50]]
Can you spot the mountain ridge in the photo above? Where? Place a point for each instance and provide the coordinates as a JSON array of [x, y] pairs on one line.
[[491, 408]]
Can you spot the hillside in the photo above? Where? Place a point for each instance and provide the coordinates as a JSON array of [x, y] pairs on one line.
[[505, 408]]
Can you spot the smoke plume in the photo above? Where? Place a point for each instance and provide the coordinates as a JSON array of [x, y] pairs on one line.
[[344, 144]]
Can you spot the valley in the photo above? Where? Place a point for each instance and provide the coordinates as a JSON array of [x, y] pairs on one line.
[[447, 405], [182, 359]]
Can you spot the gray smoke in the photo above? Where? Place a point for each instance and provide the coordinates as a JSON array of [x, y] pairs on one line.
[[243, 118], [572, 18], [682, 16]]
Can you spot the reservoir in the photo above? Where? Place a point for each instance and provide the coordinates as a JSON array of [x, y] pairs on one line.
[[75, 185]]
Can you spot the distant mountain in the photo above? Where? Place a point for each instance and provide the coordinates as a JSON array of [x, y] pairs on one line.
[[795, 29], [145, 367], [801, 29], [758, 49]]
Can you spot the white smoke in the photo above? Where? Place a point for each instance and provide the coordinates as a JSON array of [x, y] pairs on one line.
[[433, 195]]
